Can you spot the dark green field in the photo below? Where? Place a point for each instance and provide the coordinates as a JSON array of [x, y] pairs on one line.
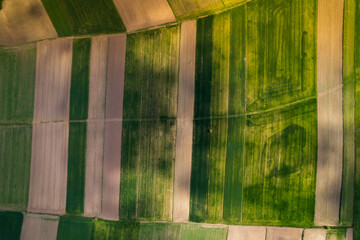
[[83, 17], [79, 100], [149, 126]]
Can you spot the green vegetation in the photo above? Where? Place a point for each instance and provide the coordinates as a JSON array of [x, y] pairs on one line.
[[203, 70], [237, 65], [80, 70], [10, 225], [149, 126], [233, 2], [202, 128], [82, 17], [336, 234], [17, 83], [256, 120], [280, 166], [151, 74], [79, 102], [76, 168], [234, 171], [130, 156], [280, 52], [199, 171], [147, 169], [111, 230], [347, 194], [357, 125], [154, 231], [184, 9], [74, 228], [197, 232], [15, 157], [187, 9]]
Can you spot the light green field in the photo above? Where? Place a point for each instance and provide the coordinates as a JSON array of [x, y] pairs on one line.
[[255, 126]]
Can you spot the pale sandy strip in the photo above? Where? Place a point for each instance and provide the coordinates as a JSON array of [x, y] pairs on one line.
[[39, 227], [95, 130], [349, 234], [94, 169], [113, 129], [53, 78], [182, 170], [24, 21], [246, 233], [139, 14], [329, 45], [47, 191], [111, 170], [187, 70], [185, 122], [115, 77], [284, 233], [315, 234], [48, 175], [329, 165], [330, 117], [97, 78], [6, 36]]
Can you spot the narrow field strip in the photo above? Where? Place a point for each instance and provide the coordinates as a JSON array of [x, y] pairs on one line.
[[330, 112], [18, 225]]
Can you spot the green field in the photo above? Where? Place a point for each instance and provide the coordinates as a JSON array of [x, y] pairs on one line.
[[109, 230], [75, 228], [17, 83], [10, 225], [80, 70], [349, 90], [76, 168], [79, 102], [357, 124], [255, 115], [83, 17], [149, 126], [198, 232], [154, 231], [280, 52], [187, 9], [338, 234], [15, 157], [280, 166]]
